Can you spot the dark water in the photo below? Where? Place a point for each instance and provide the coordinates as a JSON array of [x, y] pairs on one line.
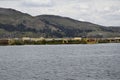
[[60, 62]]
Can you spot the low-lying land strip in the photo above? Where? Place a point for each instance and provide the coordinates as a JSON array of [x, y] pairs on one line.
[[39, 41]]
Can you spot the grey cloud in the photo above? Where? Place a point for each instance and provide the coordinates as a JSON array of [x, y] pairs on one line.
[[37, 3], [112, 17], [10, 0]]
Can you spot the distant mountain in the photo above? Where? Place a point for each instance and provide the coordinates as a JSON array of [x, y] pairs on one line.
[[14, 23]]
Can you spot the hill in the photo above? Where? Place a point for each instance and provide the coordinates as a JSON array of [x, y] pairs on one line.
[[14, 23]]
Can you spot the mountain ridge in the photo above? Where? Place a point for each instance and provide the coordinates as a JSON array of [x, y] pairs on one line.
[[14, 23]]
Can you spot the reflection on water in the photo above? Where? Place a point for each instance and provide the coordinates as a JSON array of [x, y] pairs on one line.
[[60, 62]]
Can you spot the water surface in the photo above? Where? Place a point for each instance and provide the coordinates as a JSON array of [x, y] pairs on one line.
[[60, 62]]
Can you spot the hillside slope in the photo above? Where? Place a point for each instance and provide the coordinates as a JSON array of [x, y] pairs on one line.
[[14, 23]]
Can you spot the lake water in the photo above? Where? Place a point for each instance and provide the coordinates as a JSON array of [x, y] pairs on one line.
[[60, 62]]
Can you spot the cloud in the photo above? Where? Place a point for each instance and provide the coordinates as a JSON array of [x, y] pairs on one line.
[[37, 3], [8, 0]]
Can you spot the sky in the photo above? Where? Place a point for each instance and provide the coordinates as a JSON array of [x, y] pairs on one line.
[[102, 12]]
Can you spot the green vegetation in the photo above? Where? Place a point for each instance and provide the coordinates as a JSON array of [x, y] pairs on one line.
[[53, 41], [16, 42]]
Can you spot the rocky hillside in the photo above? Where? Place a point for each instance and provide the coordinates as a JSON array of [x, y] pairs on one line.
[[14, 23]]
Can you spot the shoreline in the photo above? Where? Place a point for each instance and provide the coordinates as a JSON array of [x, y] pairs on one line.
[[56, 41], [55, 44]]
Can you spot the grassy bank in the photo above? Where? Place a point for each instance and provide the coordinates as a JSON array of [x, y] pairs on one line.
[[57, 41]]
